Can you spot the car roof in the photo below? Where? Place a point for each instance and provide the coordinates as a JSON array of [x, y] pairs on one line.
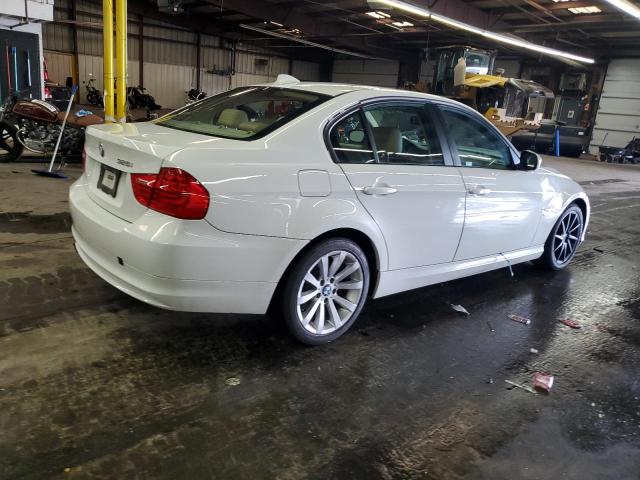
[[335, 89]]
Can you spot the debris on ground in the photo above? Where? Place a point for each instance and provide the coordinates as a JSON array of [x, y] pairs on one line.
[[461, 309], [232, 381], [534, 350], [491, 329], [570, 323], [543, 381], [490, 380], [599, 249], [519, 319], [526, 388]]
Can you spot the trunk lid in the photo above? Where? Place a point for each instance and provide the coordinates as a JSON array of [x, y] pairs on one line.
[[115, 151]]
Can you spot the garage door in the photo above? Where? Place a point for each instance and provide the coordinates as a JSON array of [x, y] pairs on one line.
[[380, 73], [618, 117]]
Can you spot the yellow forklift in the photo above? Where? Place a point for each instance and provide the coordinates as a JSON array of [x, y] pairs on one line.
[[467, 74]]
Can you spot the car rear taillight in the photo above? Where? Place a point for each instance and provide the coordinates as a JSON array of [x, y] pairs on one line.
[[173, 192]]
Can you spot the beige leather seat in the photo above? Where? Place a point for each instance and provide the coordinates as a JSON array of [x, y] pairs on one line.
[[232, 117], [388, 139]]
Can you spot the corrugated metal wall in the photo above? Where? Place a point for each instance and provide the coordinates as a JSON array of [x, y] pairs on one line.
[[511, 67], [306, 71], [169, 56], [366, 72]]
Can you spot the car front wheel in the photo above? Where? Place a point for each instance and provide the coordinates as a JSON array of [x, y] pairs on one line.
[[564, 239], [325, 291]]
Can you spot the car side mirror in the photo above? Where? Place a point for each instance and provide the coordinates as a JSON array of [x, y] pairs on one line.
[[530, 160]]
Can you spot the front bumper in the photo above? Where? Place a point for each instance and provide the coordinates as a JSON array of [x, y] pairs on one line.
[[184, 265]]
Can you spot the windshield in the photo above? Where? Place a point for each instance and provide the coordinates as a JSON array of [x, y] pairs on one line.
[[477, 62], [244, 113]]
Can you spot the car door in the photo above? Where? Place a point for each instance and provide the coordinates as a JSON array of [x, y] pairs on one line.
[[394, 156], [503, 203]]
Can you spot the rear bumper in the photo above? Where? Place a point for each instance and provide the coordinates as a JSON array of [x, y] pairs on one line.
[[176, 264]]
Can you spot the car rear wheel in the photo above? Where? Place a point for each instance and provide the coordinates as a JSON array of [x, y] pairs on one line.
[[326, 291], [563, 240]]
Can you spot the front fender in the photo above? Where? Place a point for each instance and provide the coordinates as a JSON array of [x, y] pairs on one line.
[[561, 193]]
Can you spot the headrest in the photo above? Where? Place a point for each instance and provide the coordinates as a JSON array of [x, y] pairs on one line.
[[232, 117]]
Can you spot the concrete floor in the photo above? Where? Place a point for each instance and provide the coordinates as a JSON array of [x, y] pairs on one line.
[[94, 384]]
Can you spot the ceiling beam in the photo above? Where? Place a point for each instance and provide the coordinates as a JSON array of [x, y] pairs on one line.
[[290, 16]]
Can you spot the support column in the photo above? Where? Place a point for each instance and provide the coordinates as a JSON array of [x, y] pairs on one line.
[[198, 59], [76, 64], [107, 53], [121, 61], [140, 50]]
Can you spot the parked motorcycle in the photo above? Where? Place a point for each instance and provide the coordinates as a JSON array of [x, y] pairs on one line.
[[35, 125], [94, 96], [138, 98], [194, 95]]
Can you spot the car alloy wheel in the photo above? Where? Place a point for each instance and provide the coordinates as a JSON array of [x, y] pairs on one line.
[[325, 290], [566, 237], [330, 292]]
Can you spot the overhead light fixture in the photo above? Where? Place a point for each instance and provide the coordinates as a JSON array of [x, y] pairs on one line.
[[627, 7], [403, 24], [591, 9], [378, 15], [276, 23], [273, 33], [515, 41]]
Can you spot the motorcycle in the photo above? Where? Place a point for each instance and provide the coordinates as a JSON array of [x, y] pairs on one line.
[[35, 125], [94, 96], [137, 98], [194, 95]]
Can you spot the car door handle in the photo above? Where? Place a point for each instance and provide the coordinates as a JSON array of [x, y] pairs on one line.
[[479, 190], [379, 190]]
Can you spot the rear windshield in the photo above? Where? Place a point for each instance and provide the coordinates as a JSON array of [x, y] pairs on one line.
[[244, 113]]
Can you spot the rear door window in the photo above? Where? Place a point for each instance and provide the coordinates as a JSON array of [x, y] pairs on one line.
[[404, 134], [349, 141]]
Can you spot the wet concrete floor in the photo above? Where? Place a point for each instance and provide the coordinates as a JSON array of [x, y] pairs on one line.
[[94, 384]]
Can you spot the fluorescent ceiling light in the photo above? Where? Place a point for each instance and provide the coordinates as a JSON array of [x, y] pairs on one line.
[[625, 6], [378, 15], [403, 24], [515, 41], [591, 9]]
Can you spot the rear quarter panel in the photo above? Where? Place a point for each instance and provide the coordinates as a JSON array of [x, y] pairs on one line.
[[255, 190]]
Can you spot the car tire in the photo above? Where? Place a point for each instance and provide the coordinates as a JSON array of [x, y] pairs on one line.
[[316, 310], [564, 239]]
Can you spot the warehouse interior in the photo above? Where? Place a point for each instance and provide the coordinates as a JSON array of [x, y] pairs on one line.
[[432, 383]]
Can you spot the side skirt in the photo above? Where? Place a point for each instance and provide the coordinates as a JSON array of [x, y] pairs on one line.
[[395, 281]]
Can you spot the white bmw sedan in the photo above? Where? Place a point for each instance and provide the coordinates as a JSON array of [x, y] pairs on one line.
[[305, 199]]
